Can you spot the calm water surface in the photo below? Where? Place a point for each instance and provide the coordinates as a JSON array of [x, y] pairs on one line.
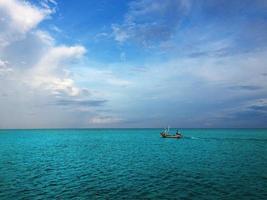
[[133, 164]]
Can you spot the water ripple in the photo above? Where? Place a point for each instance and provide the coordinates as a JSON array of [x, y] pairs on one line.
[[125, 165]]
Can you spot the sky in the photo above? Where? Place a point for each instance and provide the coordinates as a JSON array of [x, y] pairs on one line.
[[133, 63]]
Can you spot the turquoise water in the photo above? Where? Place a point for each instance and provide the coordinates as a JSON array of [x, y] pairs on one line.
[[133, 164]]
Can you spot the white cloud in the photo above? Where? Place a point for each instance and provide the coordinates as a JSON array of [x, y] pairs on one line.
[[104, 120], [103, 77], [150, 21], [49, 72], [55, 85], [59, 55], [46, 3], [34, 49], [120, 34], [23, 15], [196, 87], [56, 29], [33, 68], [45, 37], [4, 68], [17, 18]]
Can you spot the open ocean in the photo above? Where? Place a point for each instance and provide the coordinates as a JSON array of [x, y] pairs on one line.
[[133, 164]]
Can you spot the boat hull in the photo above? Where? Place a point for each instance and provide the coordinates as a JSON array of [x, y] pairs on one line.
[[170, 136]]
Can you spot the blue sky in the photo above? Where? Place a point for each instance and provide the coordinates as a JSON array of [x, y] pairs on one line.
[[138, 63]]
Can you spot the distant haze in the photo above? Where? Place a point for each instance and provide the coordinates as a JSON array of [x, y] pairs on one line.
[[139, 63]]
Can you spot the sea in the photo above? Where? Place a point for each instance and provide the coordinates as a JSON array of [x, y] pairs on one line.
[[133, 164]]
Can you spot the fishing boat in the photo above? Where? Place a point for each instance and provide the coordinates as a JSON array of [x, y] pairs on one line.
[[166, 134]]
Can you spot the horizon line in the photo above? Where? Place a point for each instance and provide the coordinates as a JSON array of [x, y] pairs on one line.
[[2, 129]]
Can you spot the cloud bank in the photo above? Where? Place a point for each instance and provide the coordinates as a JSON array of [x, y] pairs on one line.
[[179, 63], [34, 70]]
